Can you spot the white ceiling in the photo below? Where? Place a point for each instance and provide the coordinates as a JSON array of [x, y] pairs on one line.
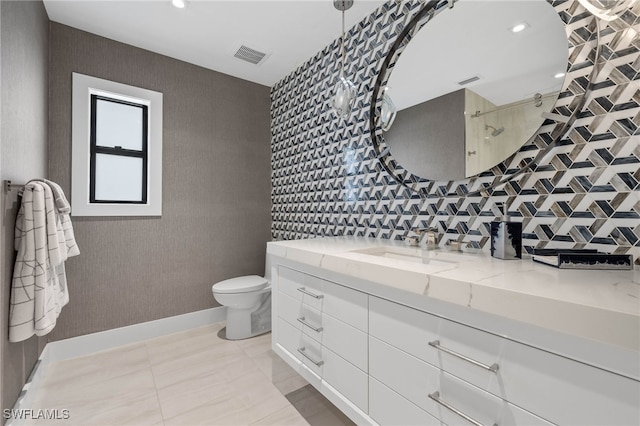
[[474, 39], [208, 33]]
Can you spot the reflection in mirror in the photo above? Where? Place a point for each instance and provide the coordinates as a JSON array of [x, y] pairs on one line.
[[388, 112], [607, 10], [473, 86]]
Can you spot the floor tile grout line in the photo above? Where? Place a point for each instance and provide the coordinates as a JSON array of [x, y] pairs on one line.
[[155, 385], [165, 417], [57, 386], [240, 352], [253, 352], [267, 378]]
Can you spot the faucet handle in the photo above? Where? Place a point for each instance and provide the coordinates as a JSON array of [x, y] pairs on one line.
[[455, 245], [422, 231], [412, 240]]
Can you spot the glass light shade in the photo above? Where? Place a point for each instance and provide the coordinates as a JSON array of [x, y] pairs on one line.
[[388, 112], [344, 97]]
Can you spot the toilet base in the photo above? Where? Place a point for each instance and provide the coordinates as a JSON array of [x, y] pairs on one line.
[[251, 322]]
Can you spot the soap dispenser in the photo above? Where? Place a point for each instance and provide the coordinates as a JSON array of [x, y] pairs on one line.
[[506, 238]]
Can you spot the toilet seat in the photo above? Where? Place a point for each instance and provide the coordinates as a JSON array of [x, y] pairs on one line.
[[243, 284]]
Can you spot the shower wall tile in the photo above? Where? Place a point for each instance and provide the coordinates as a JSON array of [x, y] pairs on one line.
[[584, 193]]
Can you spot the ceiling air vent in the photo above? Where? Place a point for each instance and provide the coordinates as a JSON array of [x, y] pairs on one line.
[[250, 55], [469, 80]]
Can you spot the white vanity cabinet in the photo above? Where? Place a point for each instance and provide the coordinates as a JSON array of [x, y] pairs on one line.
[[430, 388], [383, 362], [536, 386], [324, 326]]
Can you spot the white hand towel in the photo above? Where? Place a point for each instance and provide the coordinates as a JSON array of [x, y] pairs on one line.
[[44, 240], [62, 204]]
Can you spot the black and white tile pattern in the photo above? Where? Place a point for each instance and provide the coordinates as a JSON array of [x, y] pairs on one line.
[[585, 193]]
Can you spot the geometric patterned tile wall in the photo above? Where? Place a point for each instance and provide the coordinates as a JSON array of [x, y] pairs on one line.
[[584, 193]]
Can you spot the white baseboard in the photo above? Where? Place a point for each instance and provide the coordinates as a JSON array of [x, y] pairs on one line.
[[109, 339], [104, 340]]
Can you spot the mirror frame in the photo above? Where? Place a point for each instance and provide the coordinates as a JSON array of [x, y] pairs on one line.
[[501, 172]]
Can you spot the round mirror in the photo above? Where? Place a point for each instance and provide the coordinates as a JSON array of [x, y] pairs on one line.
[[473, 85]]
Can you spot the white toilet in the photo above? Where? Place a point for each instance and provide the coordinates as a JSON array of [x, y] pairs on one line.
[[248, 302]]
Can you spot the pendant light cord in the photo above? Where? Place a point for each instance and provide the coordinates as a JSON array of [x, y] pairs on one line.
[[342, 49]]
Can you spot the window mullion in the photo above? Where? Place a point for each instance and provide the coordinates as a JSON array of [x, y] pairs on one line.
[[120, 151]]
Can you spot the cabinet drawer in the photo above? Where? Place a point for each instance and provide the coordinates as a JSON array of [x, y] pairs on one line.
[[322, 362], [343, 303], [301, 287], [301, 346], [347, 305], [300, 315], [386, 407], [345, 340], [289, 337], [559, 389], [405, 328], [416, 380], [565, 391], [468, 353], [346, 379], [289, 281], [412, 331]]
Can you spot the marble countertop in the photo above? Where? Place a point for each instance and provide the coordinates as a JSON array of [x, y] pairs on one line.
[[594, 304]]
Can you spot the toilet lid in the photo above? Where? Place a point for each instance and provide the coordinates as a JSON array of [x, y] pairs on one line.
[[240, 284]]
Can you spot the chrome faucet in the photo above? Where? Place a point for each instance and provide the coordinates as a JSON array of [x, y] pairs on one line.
[[414, 240], [432, 236], [433, 239]]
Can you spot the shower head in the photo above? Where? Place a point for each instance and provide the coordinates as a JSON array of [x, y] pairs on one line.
[[495, 132]]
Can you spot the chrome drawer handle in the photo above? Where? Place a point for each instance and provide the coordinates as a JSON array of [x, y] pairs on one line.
[[493, 367], [304, 354], [308, 293], [436, 397], [303, 321]]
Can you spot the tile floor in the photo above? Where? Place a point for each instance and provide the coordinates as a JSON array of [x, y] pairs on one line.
[[191, 378]]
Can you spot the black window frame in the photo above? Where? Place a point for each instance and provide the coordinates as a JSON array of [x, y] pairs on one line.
[[117, 150]]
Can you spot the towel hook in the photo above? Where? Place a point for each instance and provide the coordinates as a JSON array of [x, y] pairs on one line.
[[8, 185]]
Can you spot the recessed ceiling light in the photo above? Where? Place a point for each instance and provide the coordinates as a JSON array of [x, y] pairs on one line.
[[519, 27], [559, 75], [180, 4]]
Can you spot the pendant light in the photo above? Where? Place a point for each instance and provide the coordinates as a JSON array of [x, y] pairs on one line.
[[344, 93], [388, 111]]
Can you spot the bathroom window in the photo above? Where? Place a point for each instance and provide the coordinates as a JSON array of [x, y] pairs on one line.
[[118, 165], [117, 149]]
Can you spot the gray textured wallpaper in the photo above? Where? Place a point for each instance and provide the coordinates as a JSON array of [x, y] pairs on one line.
[[216, 203], [24, 44], [438, 124]]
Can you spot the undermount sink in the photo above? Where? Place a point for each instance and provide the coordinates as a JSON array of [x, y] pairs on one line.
[[407, 254]]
